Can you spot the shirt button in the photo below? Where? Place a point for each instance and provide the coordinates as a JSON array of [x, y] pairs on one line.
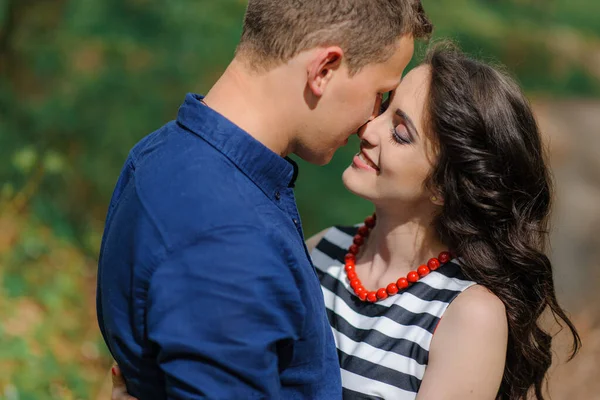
[[277, 196], [295, 221]]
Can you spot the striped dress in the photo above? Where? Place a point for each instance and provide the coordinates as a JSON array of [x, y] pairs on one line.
[[383, 348]]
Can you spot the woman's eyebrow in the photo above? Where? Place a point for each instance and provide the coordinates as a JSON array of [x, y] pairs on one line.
[[409, 122]]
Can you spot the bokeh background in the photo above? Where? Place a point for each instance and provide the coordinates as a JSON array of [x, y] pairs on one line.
[[82, 81]]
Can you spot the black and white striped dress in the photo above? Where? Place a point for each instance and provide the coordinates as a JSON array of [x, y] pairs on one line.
[[383, 348]]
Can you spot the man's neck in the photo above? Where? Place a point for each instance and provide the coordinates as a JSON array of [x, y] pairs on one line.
[[252, 102]]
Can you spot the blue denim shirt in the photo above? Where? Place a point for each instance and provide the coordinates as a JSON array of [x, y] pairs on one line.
[[205, 288]]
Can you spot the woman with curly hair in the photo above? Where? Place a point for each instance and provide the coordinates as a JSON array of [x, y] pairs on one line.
[[439, 294]]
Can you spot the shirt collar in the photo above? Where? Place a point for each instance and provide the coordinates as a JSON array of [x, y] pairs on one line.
[[268, 170]]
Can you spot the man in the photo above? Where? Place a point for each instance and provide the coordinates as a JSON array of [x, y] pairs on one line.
[[205, 289]]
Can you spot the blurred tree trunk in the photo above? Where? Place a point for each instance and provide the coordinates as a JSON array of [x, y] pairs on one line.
[[22, 17], [6, 33]]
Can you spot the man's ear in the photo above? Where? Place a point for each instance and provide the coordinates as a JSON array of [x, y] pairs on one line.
[[321, 68]]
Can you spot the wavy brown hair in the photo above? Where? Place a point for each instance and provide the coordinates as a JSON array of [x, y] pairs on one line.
[[497, 192]]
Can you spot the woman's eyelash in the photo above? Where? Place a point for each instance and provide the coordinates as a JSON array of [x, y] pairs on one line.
[[397, 139]]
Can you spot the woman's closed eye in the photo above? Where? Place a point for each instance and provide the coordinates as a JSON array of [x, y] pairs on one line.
[[401, 135]]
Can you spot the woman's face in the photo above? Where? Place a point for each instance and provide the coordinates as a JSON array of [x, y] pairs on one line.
[[396, 156]]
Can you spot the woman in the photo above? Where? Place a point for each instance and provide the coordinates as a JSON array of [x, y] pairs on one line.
[[453, 165]]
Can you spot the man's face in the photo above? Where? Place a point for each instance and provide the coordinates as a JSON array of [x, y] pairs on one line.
[[349, 102]]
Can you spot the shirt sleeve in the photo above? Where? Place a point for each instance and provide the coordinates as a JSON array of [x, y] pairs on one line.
[[219, 310]]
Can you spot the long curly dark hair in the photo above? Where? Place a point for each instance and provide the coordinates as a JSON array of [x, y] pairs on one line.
[[497, 192]]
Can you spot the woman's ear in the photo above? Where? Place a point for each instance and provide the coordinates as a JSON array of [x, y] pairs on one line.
[[436, 198], [322, 67]]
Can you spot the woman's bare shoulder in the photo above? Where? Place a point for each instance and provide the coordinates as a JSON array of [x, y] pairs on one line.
[[472, 334]]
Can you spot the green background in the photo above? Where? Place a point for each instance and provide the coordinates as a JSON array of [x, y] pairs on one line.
[[82, 81]]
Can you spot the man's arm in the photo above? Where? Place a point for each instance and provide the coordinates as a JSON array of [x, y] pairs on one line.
[[217, 312]]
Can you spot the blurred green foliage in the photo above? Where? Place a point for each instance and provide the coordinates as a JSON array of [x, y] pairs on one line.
[[82, 81]]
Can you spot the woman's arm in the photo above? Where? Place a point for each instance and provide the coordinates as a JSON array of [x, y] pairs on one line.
[[119, 390], [314, 240], [468, 349]]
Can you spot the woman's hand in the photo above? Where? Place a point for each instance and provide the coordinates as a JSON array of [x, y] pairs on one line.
[[119, 390]]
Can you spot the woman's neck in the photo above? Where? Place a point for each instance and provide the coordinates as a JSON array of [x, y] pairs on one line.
[[398, 243]]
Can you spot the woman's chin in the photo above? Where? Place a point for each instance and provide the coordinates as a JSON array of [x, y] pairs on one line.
[[355, 184]]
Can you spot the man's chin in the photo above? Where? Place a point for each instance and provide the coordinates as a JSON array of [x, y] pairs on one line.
[[317, 159], [325, 161]]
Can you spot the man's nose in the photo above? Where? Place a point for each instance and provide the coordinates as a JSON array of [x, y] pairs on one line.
[[378, 101]]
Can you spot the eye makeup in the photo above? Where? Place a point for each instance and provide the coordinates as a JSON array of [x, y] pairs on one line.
[[404, 131], [408, 123], [400, 135]]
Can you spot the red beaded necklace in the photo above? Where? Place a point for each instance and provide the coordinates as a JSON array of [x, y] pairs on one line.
[[394, 287]]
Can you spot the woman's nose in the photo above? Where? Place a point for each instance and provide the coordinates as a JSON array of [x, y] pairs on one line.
[[367, 134], [361, 131]]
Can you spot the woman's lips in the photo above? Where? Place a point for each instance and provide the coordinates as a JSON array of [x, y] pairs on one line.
[[362, 161]]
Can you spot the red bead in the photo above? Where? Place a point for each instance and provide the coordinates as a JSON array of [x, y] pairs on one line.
[[372, 297], [349, 267], [351, 275], [422, 270], [358, 290], [350, 257], [433, 264], [412, 276], [382, 294], [355, 283], [444, 257], [391, 289], [358, 240], [363, 231], [362, 294], [402, 283], [369, 222], [353, 249]]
